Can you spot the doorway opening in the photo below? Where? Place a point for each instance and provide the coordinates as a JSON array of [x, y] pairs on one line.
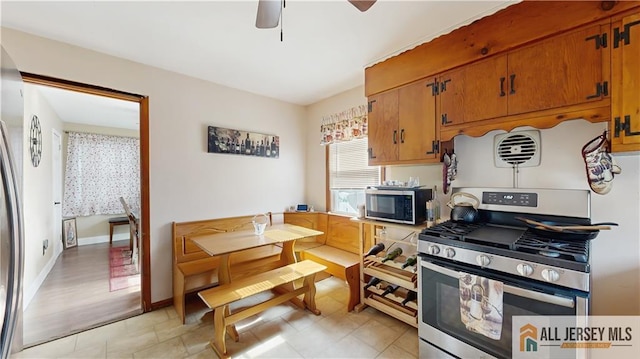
[[78, 299]]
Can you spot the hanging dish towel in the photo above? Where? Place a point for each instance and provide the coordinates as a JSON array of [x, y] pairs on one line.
[[481, 305]]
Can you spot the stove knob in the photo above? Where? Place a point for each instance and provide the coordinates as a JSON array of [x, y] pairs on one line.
[[524, 269], [483, 260], [433, 250], [449, 252], [550, 275]]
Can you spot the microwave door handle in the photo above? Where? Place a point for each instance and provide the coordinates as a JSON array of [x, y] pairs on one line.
[[541, 297]]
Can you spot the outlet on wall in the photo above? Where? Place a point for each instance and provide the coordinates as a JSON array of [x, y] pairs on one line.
[[45, 245]]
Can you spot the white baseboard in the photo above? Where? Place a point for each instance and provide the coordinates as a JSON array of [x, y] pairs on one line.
[[102, 239], [35, 286]]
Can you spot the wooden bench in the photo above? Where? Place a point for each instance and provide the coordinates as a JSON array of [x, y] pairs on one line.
[[194, 270], [220, 297], [338, 249]]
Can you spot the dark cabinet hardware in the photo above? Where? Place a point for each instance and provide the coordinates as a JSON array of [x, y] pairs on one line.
[[600, 40], [443, 85], [435, 147], [371, 153], [434, 88], [512, 80], [370, 105], [624, 35], [624, 126], [56, 202], [395, 137], [502, 94], [402, 136], [445, 120], [602, 89]]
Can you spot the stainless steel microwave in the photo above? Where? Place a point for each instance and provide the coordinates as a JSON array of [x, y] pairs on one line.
[[397, 204]]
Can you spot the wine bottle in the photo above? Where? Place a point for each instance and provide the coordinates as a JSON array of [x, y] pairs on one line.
[[375, 250], [411, 261], [390, 289], [392, 255], [411, 296], [372, 281]]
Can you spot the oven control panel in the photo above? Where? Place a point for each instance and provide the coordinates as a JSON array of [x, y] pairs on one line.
[[520, 199]]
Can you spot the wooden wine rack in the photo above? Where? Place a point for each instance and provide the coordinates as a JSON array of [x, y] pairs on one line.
[[389, 272]]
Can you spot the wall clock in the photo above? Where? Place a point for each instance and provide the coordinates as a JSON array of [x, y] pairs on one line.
[[35, 141]]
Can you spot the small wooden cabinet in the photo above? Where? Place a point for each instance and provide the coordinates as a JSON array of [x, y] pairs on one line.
[[402, 126], [390, 273], [565, 70], [624, 129]]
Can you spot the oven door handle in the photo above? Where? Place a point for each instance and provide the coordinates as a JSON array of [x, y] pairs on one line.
[[520, 292]]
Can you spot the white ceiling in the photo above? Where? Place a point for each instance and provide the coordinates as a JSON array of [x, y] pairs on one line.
[[327, 44], [76, 107]]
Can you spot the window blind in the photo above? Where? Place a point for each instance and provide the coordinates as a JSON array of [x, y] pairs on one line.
[[348, 167]]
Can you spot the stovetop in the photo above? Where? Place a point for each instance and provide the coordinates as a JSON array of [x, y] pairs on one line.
[[510, 241]]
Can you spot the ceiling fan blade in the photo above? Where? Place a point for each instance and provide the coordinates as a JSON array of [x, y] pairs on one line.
[[362, 5], [268, 14]]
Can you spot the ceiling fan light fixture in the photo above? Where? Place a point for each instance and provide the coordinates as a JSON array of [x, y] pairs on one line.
[[268, 14], [362, 5]]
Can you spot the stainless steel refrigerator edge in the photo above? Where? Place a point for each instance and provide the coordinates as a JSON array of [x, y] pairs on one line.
[[11, 232]]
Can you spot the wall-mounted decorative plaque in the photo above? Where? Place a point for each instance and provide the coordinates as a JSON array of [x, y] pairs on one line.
[[225, 140]]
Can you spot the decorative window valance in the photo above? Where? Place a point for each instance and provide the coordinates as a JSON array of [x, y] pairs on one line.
[[344, 126]]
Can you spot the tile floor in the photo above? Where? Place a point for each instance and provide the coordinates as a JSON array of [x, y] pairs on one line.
[[280, 332]]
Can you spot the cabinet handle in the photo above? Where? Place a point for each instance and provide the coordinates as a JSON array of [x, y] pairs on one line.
[[402, 136], [624, 126], [395, 137], [371, 153], [512, 79], [444, 119], [502, 93]]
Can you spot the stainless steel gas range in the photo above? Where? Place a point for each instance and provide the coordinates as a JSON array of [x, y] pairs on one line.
[[538, 273]]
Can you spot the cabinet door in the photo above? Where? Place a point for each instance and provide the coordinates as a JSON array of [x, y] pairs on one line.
[[625, 76], [417, 122], [485, 89], [383, 127], [451, 107], [562, 71]]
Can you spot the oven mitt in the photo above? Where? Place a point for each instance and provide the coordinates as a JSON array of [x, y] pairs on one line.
[[599, 164], [446, 181], [449, 171]]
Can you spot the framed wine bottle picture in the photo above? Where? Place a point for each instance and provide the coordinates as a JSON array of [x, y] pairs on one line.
[[243, 143]]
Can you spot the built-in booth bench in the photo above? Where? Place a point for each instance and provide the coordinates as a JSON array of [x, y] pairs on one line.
[[195, 270], [338, 249]]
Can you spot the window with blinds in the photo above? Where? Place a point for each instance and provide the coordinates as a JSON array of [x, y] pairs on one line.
[[349, 175]]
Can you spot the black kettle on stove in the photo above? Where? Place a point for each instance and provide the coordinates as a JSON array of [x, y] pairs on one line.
[[464, 207]]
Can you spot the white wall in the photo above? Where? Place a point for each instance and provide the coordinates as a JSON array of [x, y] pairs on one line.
[[38, 194], [186, 182]]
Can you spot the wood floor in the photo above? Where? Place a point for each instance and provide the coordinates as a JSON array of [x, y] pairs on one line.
[[75, 296]]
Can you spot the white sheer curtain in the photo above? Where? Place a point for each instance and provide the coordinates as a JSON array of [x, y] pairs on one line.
[[101, 169]]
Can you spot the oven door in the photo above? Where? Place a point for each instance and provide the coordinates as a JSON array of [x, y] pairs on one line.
[[440, 322]]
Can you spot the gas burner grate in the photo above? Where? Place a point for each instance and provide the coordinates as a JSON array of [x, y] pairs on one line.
[[577, 251], [451, 230]]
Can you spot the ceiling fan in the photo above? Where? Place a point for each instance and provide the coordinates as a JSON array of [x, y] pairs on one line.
[[269, 11]]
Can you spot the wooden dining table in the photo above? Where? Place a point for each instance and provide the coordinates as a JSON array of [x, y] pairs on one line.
[[226, 243]]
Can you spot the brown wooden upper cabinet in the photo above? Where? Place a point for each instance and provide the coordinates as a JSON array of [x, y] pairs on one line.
[[560, 71], [402, 126], [625, 78]]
